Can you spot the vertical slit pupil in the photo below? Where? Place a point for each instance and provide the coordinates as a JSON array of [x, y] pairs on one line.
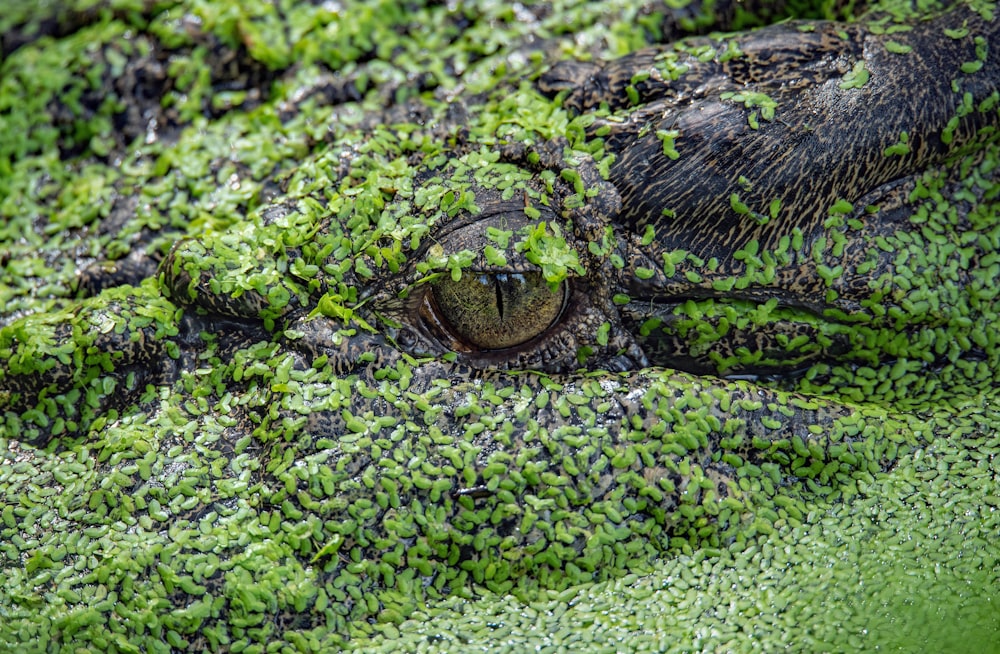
[[499, 290]]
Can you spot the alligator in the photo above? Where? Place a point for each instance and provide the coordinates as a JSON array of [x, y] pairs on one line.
[[515, 333]]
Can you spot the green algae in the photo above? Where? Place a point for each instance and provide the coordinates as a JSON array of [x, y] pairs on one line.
[[266, 500]]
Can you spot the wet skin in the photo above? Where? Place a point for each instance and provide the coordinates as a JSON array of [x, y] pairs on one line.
[[368, 334], [782, 195]]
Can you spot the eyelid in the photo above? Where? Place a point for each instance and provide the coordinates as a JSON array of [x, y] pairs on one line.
[[473, 236]]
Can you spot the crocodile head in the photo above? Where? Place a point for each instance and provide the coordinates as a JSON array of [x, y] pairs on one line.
[[458, 349], [749, 224]]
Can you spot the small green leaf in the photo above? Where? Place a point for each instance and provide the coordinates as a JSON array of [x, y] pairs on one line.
[[841, 206], [970, 67], [632, 93], [774, 208], [856, 78], [737, 205], [602, 334], [668, 139], [494, 257], [899, 148], [648, 235]]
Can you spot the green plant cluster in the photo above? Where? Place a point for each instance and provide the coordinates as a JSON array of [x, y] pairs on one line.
[[213, 482]]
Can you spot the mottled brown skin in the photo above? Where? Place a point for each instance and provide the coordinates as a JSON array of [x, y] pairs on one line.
[[824, 144]]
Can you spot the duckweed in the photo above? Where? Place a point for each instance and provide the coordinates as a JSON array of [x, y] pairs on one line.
[[205, 480]]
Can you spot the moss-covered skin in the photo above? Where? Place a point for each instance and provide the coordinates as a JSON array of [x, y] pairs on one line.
[[329, 319]]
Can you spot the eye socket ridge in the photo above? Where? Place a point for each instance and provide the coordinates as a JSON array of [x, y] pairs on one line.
[[492, 310]]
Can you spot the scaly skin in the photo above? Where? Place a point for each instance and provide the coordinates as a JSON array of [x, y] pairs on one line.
[[273, 437]]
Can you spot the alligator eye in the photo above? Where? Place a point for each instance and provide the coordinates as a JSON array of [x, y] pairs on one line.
[[493, 311]]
